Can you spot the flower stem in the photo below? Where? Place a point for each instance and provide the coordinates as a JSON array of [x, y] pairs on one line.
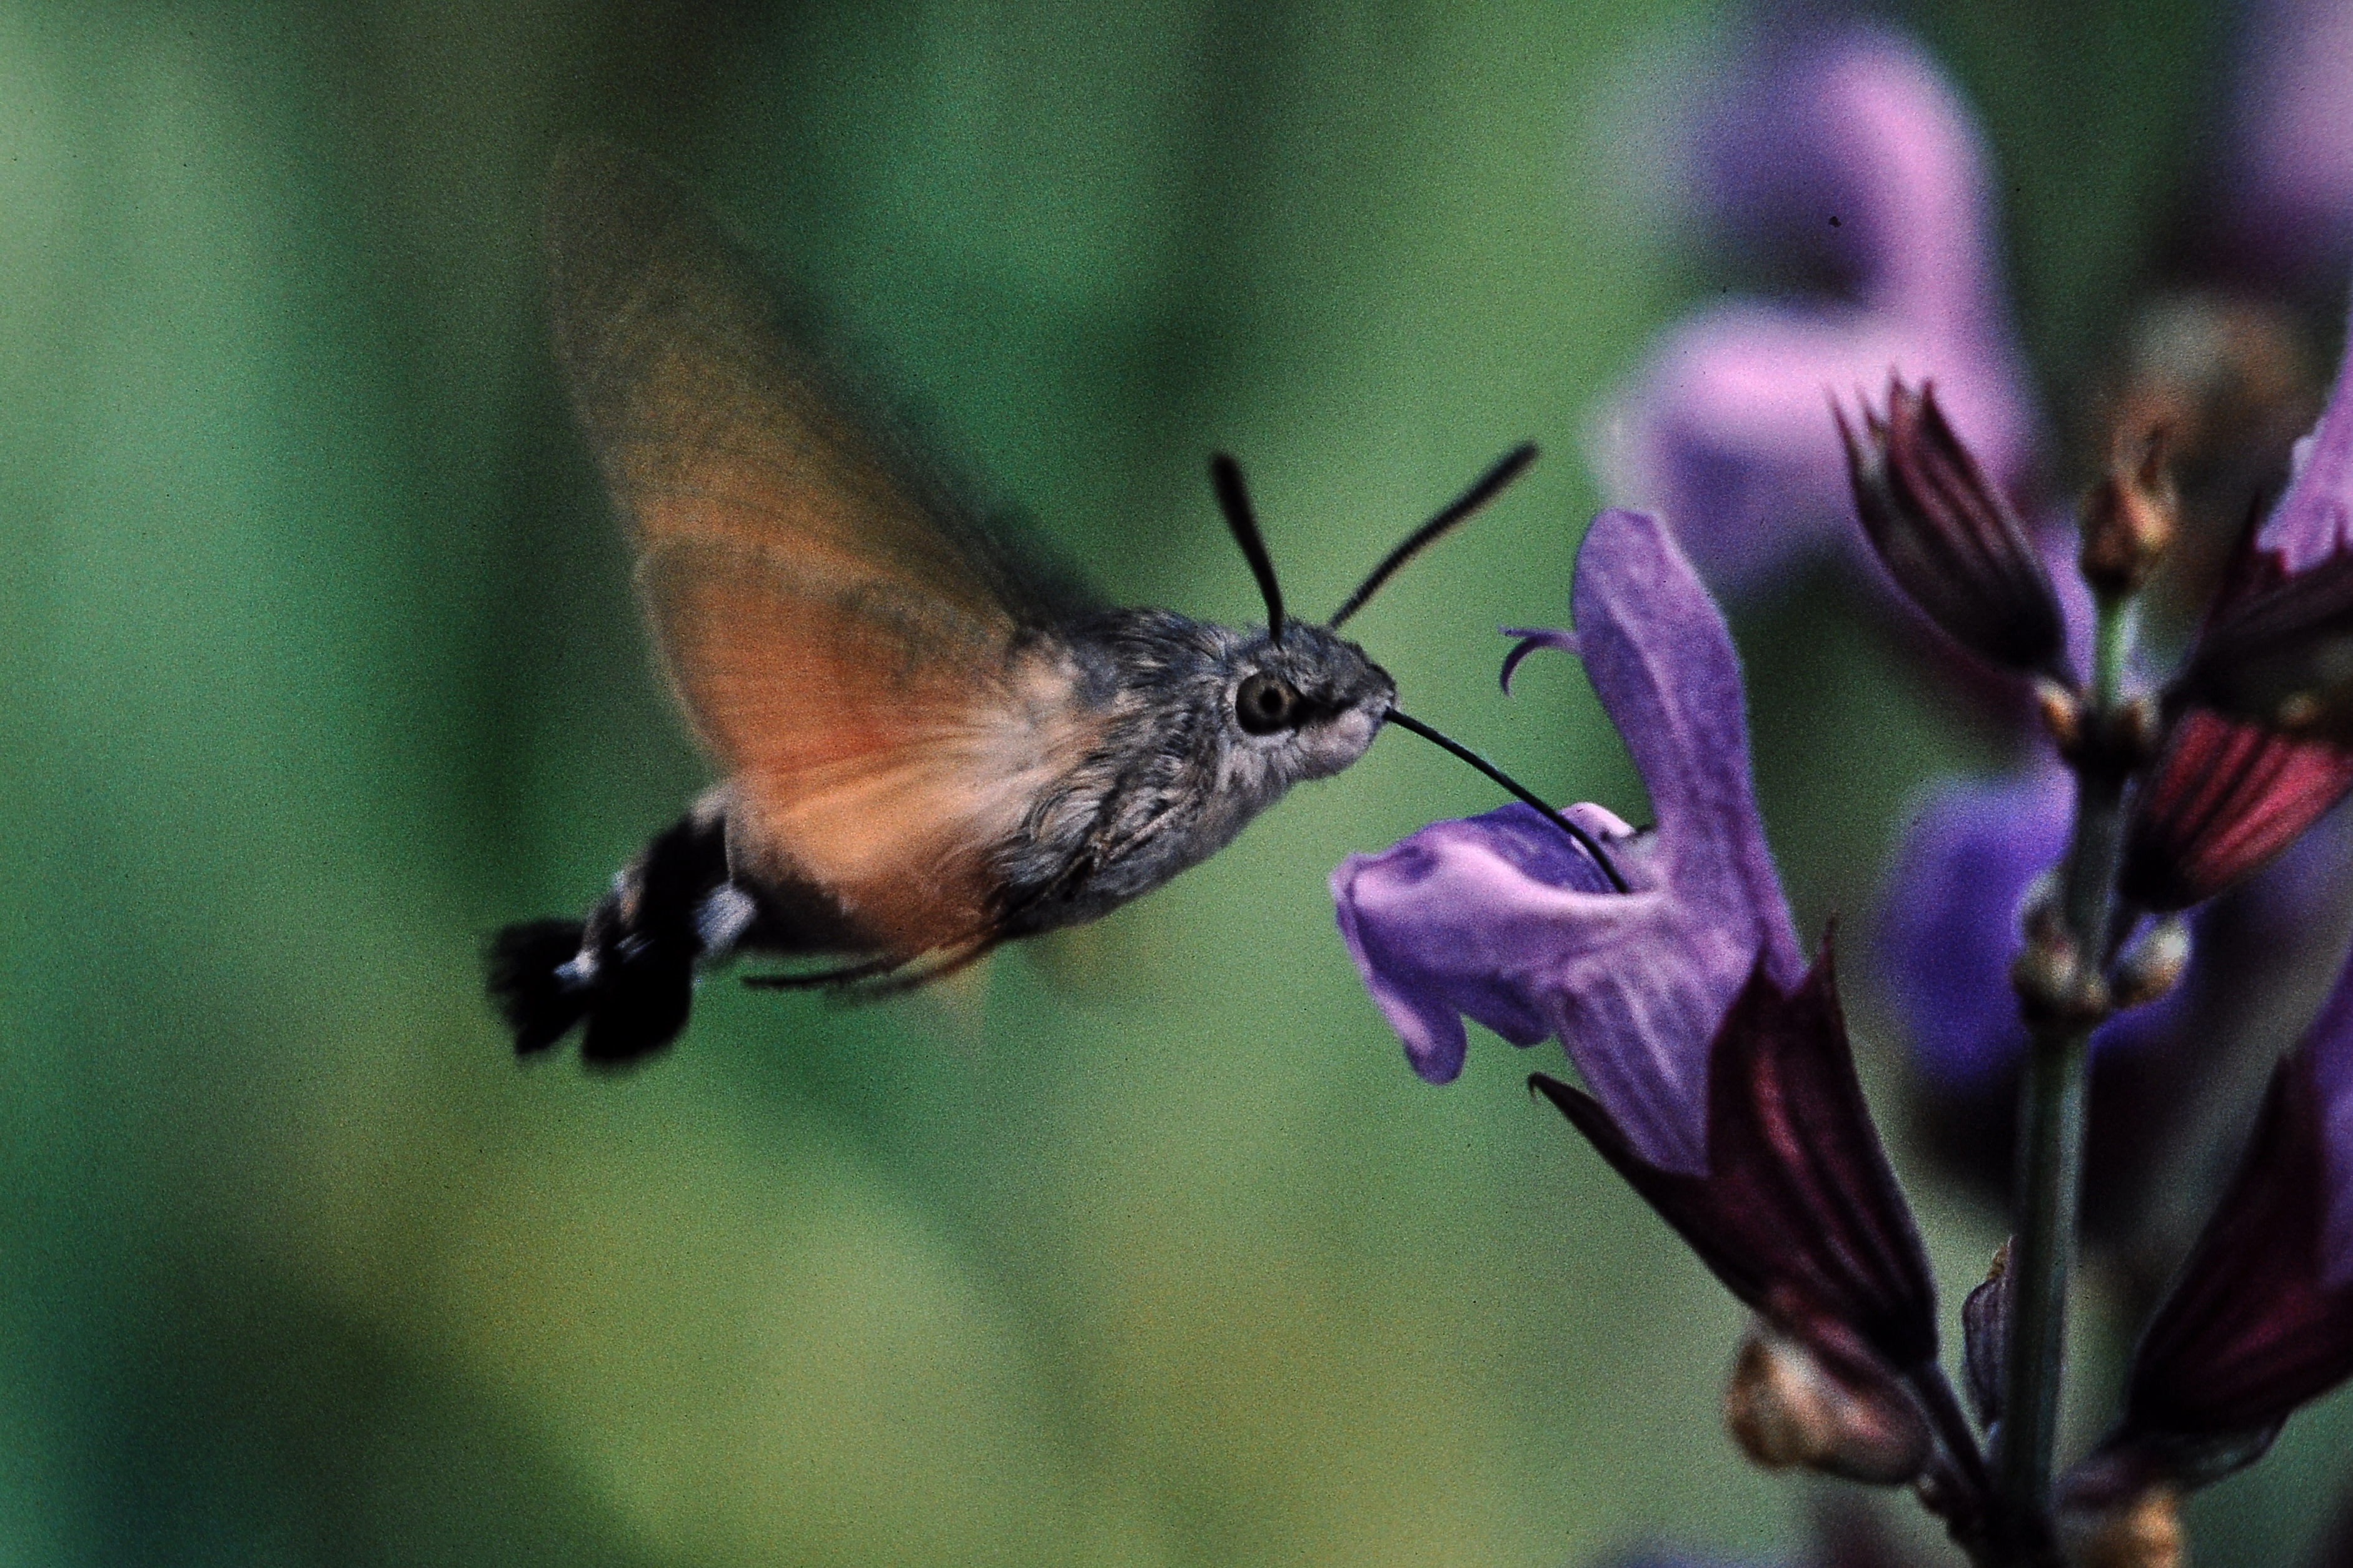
[[2050, 1177], [2050, 1123], [2112, 640]]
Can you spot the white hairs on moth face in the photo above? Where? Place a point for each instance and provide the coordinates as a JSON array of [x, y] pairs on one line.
[[722, 917]]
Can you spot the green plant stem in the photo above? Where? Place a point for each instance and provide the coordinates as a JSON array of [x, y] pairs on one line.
[[2049, 1178], [2112, 641], [2051, 1132]]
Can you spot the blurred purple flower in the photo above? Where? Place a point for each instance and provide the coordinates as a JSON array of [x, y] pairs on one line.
[[1498, 919], [1726, 430], [1948, 926], [2260, 1320], [2288, 177], [2314, 519], [1948, 929]]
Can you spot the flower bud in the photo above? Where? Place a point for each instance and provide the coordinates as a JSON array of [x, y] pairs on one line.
[[2144, 1532], [2063, 716], [1984, 1338], [2152, 966], [1785, 1408], [2138, 732], [2054, 983], [1948, 537], [2129, 519], [2282, 656]]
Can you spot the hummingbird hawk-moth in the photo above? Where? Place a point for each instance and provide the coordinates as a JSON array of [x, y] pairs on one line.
[[925, 753]]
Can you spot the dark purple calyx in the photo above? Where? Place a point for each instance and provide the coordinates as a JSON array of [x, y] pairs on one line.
[[2258, 1323], [1798, 1212], [2258, 742], [1949, 538]]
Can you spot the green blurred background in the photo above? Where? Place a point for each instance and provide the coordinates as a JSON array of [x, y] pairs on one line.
[[1144, 1248]]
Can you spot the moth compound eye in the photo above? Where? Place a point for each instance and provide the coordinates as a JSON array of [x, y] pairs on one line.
[[1263, 704]]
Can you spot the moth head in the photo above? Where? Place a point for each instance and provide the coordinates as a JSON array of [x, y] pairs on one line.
[[1311, 703], [1306, 701], [1302, 691]]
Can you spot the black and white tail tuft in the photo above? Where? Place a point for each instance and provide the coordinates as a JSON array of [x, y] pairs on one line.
[[626, 974], [535, 983]]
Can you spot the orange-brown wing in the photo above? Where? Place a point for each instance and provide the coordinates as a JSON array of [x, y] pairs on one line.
[[882, 743], [708, 419], [845, 643]]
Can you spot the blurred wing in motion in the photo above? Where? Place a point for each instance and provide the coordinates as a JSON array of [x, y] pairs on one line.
[[878, 683]]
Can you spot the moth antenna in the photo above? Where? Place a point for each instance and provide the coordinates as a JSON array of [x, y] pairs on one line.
[[1584, 840], [1506, 468], [1233, 499]]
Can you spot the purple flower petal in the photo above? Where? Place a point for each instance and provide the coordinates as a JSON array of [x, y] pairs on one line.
[[1727, 431], [2288, 178], [2313, 519], [1507, 859], [1485, 918], [1661, 662]]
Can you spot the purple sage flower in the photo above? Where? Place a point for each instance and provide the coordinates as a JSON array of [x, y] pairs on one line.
[[1724, 431], [1502, 918], [1722, 1087], [2260, 1320]]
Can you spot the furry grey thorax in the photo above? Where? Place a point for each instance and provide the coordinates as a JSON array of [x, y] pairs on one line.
[[1175, 775]]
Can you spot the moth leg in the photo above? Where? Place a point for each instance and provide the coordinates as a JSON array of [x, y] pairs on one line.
[[938, 964], [806, 980]]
